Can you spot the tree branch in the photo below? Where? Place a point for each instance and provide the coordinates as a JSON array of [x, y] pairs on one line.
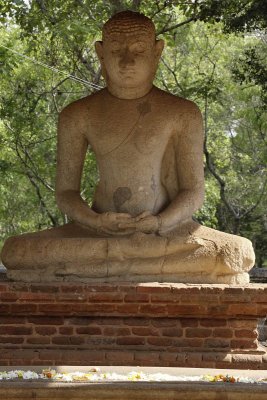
[[170, 28], [136, 5], [211, 167], [38, 192]]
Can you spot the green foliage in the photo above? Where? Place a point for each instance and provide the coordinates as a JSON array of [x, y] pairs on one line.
[[206, 59]]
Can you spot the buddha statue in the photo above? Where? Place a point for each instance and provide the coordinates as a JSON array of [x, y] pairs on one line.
[[148, 145]]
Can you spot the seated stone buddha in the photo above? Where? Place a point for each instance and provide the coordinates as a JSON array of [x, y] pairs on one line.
[[149, 150]]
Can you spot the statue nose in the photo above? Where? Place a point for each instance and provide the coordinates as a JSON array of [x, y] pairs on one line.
[[127, 59]]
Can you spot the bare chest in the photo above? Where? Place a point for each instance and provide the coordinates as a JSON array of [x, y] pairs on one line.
[[129, 134]]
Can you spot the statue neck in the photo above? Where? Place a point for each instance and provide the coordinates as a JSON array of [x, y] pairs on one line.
[[129, 93]]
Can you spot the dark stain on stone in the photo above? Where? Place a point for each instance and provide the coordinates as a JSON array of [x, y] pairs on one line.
[[120, 196], [144, 108], [153, 184]]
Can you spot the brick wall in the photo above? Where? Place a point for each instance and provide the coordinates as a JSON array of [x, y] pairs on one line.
[[139, 324]]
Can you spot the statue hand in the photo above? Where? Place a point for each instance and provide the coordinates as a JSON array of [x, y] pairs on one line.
[[111, 223], [145, 222]]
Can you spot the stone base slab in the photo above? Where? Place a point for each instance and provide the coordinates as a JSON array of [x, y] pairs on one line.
[[134, 391], [146, 324], [139, 390], [128, 274]]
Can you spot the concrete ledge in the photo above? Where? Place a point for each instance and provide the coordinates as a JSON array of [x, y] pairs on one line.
[[140, 390], [134, 391]]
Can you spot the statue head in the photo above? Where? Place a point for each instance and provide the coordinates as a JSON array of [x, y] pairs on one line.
[[129, 54]]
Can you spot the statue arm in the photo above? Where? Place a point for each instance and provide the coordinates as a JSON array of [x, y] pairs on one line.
[[71, 151], [190, 172], [188, 148]]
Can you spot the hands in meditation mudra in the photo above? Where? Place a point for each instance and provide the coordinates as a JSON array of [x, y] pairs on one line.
[[149, 150]]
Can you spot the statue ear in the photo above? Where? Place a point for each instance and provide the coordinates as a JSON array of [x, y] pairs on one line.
[[159, 48], [99, 50]]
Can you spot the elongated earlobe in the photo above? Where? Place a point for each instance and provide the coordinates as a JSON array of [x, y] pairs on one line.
[[99, 50], [159, 46]]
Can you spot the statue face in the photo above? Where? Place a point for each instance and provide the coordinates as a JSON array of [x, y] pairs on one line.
[[129, 60]]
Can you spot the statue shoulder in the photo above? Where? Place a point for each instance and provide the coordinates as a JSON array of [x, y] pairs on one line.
[[81, 108], [187, 111], [185, 116], [179, 106]]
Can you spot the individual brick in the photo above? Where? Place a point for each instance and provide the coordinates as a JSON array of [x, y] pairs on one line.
[[211, 323], [71, 297], [199, 299], [15, 330], [153, 288], [132, 341], [169, 297], [38, 340], [222, 333], [116, 331], [165, 322], [182, 310], [127, 308], [37, 297], [138, 321], [167, 356], [151, 356], [189, 343], [9, 297], [193, 359], [173, 332], [243, 309], [4, 287], [65, 330], [246, 333], [46, 320], [22, 308], [159, 341], [247, 359], [10, 320], [122, 356], [67, 340], [102, 297], [243, 323], [11, 340], [244, 344], [51, 354], [217, 343], [45, 288], [45, 330], [189, 322], [153, 309], [145, 331], [198, 332], [89, 330], [105, 287], [19, 354], [136, 298], [219, 356], [70, 288]]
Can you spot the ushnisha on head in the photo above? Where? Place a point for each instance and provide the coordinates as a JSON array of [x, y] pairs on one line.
[[129, 54]]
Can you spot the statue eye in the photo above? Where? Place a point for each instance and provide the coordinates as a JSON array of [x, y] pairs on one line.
[[138, 48], [115, 47]]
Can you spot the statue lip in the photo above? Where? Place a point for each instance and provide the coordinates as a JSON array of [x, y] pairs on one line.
[[127, 71]]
